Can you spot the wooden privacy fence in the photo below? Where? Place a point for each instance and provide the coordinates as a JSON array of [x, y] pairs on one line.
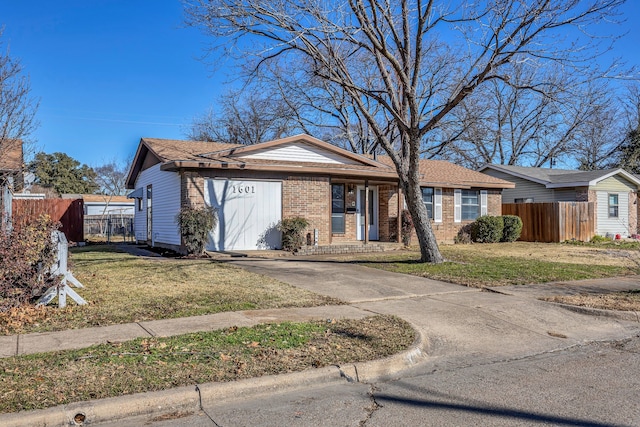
[[554, 222], [68, 211]]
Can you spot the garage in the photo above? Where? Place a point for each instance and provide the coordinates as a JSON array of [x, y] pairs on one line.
[[248, 212]]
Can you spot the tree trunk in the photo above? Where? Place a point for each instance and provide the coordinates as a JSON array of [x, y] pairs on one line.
[[429, 250]]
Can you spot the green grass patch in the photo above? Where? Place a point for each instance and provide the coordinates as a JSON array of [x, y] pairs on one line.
[[49, 379], [483, 268], [123, 288]]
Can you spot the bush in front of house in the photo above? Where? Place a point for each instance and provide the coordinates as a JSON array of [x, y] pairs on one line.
[[195, 225], [292, 228], [487, 229], [512, 228], [27, 253]]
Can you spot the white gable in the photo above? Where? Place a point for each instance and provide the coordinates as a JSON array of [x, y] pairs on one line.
[[300, 152]]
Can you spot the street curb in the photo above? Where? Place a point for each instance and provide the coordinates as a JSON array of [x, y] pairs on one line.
[[191, 397]]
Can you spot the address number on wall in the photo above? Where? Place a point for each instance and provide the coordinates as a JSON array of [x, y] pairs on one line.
[[243, 189]]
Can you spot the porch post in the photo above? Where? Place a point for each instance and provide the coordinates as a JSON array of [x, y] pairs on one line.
[[366, 211], [399, 218]]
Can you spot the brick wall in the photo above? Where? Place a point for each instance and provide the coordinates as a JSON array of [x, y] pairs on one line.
[[191, 189], [310, 198], [447, 230]]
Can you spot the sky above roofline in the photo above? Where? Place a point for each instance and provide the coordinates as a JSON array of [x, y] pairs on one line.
[[108, 72]]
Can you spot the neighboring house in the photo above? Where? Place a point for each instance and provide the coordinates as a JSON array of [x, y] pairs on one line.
[[253, 187], [11, 163], [102, 205], [613, 192]]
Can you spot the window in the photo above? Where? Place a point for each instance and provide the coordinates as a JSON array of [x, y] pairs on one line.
[[613, 206], [337, 208], [427, 199], [139, 203], [470, 204], [524, 200]]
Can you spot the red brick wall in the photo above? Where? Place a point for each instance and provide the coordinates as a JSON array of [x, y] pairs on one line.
[[310, 198]]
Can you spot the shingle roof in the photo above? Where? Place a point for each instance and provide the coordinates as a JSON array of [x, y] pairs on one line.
[[176, 154], [11, 155], [443, 173], [173, 149], [559, 177]]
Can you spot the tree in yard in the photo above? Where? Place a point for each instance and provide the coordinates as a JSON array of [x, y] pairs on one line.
[[63, 173], [626, 154], [406, 66]]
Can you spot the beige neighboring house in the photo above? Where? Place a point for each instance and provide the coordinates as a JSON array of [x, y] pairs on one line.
[[613, 191], [347, 198], [11, 166]]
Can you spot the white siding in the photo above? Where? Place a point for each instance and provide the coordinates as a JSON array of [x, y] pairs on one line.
[[248, 212], [93, 208], [297, 152], [165, 205], [619, 225]]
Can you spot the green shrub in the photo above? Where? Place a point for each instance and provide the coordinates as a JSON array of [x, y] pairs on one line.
[[488, 229], [600, 239], [195, 225], [292, 228], [464, 234], [512, 228]]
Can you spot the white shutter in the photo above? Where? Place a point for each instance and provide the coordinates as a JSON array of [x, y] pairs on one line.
[[437, 204], [483, 202], [457, 205]]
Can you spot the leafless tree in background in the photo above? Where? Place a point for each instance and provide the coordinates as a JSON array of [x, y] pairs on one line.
[[250, 119], [17, 106], [111, 177], [406, 66]]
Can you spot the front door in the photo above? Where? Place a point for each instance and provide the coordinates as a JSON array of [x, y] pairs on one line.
[[372, 213]]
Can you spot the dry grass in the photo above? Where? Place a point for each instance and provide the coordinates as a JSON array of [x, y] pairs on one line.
[[49, 379], [622, 301], [122, 288]]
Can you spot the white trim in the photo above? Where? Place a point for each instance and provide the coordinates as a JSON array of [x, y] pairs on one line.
[[483, 202], [457, 205], [437, 205]]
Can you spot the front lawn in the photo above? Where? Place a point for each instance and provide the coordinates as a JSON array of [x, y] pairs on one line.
[[122, 288], [516, 263]]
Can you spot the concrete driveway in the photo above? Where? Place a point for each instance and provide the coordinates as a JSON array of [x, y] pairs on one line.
[[457, 321]]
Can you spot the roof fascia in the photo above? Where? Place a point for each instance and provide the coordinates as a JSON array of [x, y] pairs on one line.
[[141, 153]]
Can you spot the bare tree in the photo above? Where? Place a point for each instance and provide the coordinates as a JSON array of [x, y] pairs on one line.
[[510, 123], [111, 178], [414, 60], [17, 106], [250, 119]]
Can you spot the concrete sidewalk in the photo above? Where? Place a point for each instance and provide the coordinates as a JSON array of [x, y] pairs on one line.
[[17, 345]]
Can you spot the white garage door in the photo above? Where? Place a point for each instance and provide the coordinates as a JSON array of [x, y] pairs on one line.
[[248, 212]]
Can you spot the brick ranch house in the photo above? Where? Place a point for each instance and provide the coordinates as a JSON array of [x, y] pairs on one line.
[[255, 186]]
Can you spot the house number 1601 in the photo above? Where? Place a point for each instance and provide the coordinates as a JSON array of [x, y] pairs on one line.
[[244, 189]]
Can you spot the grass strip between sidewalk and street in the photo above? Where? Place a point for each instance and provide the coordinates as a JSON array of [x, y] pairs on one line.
[[621, 301], [49, 379]]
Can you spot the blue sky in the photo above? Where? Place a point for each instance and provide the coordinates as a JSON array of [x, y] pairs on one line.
[[108, 72]]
